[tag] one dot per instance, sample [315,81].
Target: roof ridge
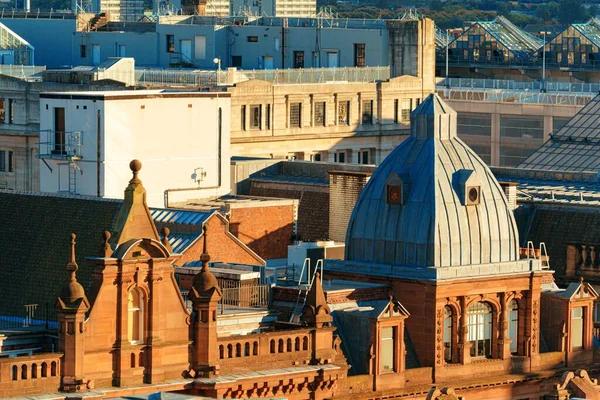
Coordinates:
[59,195]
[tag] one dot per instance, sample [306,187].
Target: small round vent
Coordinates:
[473,194]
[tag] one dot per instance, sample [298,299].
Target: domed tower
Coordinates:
[71,307]
[432,203]
[434,223]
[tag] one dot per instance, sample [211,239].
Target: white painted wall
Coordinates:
[171,136]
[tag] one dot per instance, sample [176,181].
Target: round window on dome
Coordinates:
[473,195]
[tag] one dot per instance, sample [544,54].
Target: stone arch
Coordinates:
[34,371]
[305,343]
[280,348]
[53,368]
[289,345]
[246,349]
[15,373]
[44,370]
[297,344]
[23,372]
[255,349]
[229,350]
[221,351]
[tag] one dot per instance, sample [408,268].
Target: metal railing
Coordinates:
[32,316]
[21,71]
[60,145]
[470,83]
[189,77]
[515,96]
[255,296]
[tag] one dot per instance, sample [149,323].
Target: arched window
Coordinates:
[289,345]
[34,372]
[480,329]
[135,315]
[15,373]
[132,360]
[513,325]
[246,349]
[229,350]
[141,361]
[44,370]
[23,372]
[280,348]
[255,349]
[305,343]
[448,334]
[272,346]
[238,350]
[297,344]
[53,368]
[221,352]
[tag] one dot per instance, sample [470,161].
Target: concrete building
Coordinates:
[87,138]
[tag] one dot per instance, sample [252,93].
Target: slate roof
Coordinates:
[34,244]
[575,147]
[557,225]
[432,228]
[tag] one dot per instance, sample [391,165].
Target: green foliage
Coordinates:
[571,11]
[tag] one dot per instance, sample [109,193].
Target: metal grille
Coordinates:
[320,114]
[295,119]
[343,113]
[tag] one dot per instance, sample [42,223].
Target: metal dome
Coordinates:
[432,202]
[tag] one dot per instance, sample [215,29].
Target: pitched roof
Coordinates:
[34,247]
[575,147]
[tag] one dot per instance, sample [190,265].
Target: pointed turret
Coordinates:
[72,291]
[433,118]
[71,307]
[205,295]
[134,220]
[316,312]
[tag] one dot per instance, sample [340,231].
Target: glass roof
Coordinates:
[590,29]
[575,147]
[511,37]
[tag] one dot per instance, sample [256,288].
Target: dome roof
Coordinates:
[432,202]
[72,292]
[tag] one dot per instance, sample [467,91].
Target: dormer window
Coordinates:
[394,194]
[467,187]
[397,188]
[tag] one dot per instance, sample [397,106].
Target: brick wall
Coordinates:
[313,208]
[266,230]
[220,245]
[344,189]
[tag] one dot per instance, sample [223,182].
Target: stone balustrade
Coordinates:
[29,374]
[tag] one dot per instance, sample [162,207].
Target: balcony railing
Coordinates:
[61,145]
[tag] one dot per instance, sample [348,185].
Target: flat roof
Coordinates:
[130,94]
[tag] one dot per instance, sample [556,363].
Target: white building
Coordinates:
[87,140]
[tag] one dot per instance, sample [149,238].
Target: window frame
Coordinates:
[360,55]
[293,111]
[255,124]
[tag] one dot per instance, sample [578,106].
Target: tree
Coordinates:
[571,11]
[543,12]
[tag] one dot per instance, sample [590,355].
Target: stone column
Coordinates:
[503,340]
[464,346]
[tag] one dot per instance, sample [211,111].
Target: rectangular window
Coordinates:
[577,328]
[367,112]
[83,51]
[406,109]
[396,111]
[252,39]
[2,161]
[359,55]
[243,117]
[298,59]
[363,157]
[122,50]
[2,111]
[268,117]
[11,111]
[170,43]
[236,61]
[344,113]
[59,130]
[255,116]
[387,350]
[11,161]
[295,115]
[316,157]
[339,157]
[320,113]
[200,47]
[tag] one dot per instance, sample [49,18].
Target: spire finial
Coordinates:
[581,280]
[72,266]
[106,250]
[205,257]
[135,166]
[165,238]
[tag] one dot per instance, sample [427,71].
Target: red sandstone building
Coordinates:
[434,300]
